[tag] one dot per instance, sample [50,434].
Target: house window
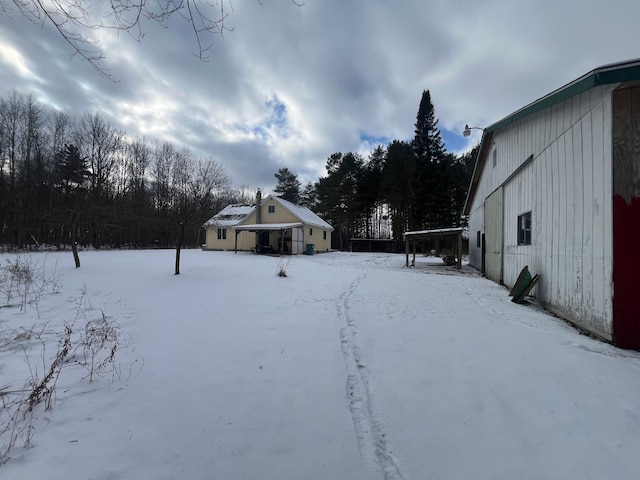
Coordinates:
[222,234]
[310,231]
[524,229]
[271,209]
[324,234]
[478,239]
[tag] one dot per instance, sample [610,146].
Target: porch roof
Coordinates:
[267,226]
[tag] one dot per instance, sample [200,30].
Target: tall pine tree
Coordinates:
[431,174]
[288,187]
[427,143]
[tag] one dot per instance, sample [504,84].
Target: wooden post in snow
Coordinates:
[406,250]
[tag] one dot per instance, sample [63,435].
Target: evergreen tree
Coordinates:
[73,175]
[338,198]
[72,169]
[427,143]
[288,187]
[397,186]
[463,167]
[432,176]
[309,196]
[370,190]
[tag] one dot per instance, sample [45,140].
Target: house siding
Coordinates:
[567,186]
[281,214]
[246,240]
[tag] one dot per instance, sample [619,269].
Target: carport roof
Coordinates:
[441,232]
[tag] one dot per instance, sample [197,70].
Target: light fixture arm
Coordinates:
[467,130]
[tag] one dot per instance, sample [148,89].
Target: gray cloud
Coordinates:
[343,73]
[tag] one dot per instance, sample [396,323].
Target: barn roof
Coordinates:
[605,75]
[621,72]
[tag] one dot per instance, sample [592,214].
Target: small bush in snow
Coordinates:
[92,346]
[99,342]
[26,280]
[16,406]
[282,265]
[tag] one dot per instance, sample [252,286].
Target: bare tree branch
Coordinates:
[74,19]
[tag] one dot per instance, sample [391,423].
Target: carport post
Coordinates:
[413,262]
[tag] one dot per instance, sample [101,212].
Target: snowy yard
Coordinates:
[351,367]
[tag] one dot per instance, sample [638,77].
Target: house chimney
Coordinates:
[258,207]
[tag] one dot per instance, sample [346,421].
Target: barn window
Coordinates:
[478,239]
[271,209]
[495,157]
[222,234]
[524,229]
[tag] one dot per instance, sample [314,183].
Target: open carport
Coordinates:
[451,235]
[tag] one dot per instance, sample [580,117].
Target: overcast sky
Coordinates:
[291,85]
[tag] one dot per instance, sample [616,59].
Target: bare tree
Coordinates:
[100,142]
[12,113]
[136,168]
[195,182]
[76,19]
[164,155]
[22,138]
[60,129]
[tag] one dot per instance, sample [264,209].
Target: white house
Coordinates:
[272,225]
[556,187]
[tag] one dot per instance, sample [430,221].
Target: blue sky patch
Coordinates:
[373,140]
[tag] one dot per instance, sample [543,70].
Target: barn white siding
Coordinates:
[567,186]
[476,225]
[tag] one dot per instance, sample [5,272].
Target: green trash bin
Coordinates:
[310,247]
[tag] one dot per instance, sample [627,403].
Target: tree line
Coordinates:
[66,181]
[81,181]
[400,187]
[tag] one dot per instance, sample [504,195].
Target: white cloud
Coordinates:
[346,73]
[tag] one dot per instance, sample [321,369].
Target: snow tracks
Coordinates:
[370,430]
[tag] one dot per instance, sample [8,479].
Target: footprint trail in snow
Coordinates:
[371,433]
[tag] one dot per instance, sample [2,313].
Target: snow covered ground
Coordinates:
[352,367]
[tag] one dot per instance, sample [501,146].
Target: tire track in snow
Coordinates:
[370,431]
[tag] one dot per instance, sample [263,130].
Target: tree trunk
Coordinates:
[178,246]
[74,239]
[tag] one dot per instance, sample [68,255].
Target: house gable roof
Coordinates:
[235,215]
[229,216]
[621,72]
[303,214]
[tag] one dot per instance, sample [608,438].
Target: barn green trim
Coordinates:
[622,72]
[605,75]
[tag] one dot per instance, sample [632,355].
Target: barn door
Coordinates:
[626,217]
[493,230]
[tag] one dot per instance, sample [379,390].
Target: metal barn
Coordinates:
[556,187]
